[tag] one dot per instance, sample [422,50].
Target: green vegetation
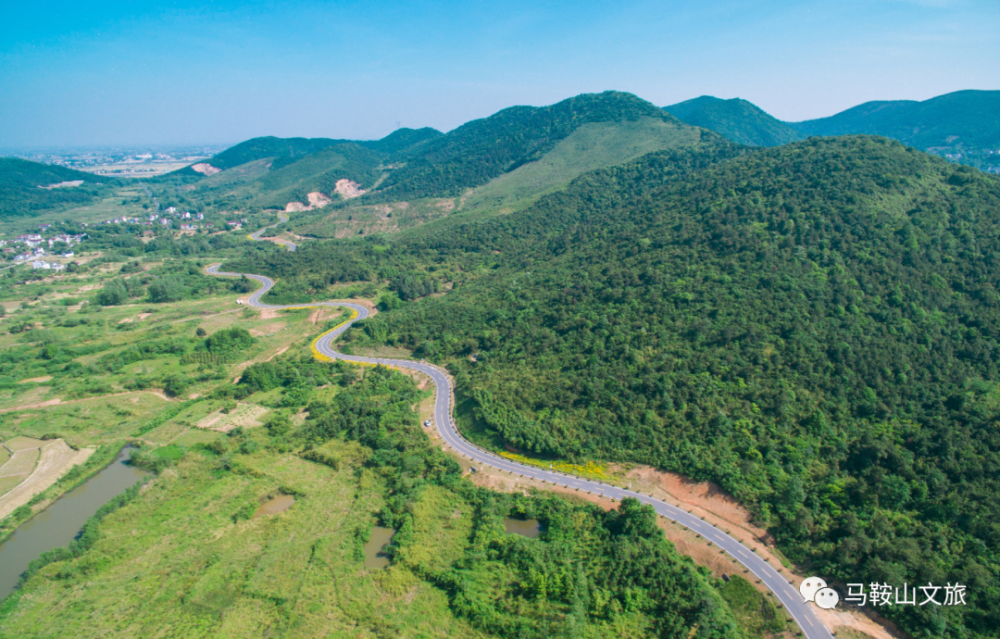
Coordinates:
[736,120]
[757,614]
[962,125]
[810,326]
[217,570]
[968,115]
[481,150]
[22,195]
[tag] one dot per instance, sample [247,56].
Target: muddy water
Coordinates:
[524,527]
[62,521]
[279,504]
[375,555]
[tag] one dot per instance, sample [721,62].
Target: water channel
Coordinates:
[61,522]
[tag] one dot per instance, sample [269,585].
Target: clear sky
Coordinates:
[150,72]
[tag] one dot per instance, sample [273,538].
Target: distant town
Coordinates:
[120,162]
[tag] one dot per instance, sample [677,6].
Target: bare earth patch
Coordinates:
[55,460]
[348,189]
[205,168]
[316,199]
[62,185]
[43,378]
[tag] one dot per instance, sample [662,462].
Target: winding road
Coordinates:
[282,218]
[801,611]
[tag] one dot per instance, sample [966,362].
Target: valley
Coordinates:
[593,307]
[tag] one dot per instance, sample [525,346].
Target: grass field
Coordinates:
[20,463]
[197,573]
[6,483]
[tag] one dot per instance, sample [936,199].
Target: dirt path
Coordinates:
[55,460]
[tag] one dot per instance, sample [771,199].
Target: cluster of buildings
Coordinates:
[165,220]
[34,245]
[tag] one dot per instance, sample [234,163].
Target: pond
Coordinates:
[524,527]
[62,521]
[375,555]
[278,504]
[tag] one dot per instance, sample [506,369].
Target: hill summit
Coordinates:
[736,120]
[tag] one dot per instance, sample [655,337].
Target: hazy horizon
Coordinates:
[186,74]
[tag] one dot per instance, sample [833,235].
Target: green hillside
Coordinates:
[813,326]
[964,123]
[589,147]
[318,171]
[266,147]
[401,139]
[736,120]
[22,195]
[478,151]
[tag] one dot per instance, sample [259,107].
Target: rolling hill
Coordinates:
[736,120]
[412,177]
[970,118]
[28,188]
[813,326]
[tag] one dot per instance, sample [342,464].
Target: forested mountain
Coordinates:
[813,326]
[497,164]
[288,149]
[736,120]
[401,139]
[28,188]
[481,150]
[973,117]
[963,126]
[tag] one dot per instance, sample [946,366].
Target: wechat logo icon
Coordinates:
[815,590]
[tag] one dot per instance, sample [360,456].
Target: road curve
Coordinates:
[801,612]
[282,218]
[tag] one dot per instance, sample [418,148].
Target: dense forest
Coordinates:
[814,327]
[736,120]
[481,150]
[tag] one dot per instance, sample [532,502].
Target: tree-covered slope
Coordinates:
[22,193]
[971,116]
[292,180]
[813,326]
[736,120]
[481,150]
[401,140]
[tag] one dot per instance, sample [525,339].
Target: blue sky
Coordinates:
[148,72]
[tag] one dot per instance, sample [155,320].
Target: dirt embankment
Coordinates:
[316,199]
[55,460]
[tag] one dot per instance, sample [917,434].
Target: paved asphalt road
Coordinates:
[786,593]
[291,246]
